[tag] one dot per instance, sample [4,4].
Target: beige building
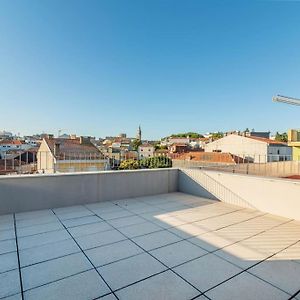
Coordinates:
[255,149]
[76,154]
[145,151]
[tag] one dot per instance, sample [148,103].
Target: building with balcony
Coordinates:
[294,142]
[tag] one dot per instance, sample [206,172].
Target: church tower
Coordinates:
[139,134]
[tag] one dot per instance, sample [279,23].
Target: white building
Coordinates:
[255,149]
[145,151]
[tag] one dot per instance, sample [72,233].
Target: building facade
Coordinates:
[69,155]
[255,149]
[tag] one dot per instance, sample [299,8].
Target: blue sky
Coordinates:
[104,67]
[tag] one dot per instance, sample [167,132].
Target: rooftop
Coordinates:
[167,246]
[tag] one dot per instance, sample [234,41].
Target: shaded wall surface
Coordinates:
[33,192]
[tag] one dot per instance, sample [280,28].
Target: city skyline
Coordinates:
[171,66]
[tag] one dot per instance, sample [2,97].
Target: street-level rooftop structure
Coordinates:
[166,246]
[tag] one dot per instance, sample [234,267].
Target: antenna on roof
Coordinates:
[287,100]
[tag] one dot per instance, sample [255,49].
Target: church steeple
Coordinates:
[139,134]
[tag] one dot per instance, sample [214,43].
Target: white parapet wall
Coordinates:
[271,195]
[33,192]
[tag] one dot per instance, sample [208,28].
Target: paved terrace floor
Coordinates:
[172,246]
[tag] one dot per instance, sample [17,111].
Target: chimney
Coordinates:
[56,149]
[85,140]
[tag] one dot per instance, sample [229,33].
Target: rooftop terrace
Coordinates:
[166,246]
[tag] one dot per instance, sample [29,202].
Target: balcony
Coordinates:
[147,234]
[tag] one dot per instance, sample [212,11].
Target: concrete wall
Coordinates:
[186,184]
[276,196]
[33,192]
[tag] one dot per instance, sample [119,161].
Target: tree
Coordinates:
[217,135]
[156,162]
[193,135]
[281,137]
[129,164]
[135,144]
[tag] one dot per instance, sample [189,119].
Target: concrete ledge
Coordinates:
[34,192]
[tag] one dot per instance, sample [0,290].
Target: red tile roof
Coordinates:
[265,140]
[72,147]
[215,157]
[10,142]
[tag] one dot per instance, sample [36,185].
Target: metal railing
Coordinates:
[26,162]
[261,165]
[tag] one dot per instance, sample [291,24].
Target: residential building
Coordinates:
[178,140]
[145,151]
[294,142]
[178,148]
[76,154]
[13,145]
[252,148]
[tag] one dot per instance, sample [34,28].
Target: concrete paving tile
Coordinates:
[80,221]
[108,297]
[45,252]
[166,221]
[35,221]
[177,253]
[75,214]
[130,270]
[14,297]
[36,229]
[291,253]
[246,287]
[210,241]
[110,253]
[139,229]
[7,225]
[7,246]
[207,271]
[241,255]
[156,239]
[283,274]
[89,229]
[69,209]
[126,221]
[42,239]
[7,234]
[86,285]
[9,283]
[188,230]
[166,286]
[9,261]
[34,214]
[99,239]
[114,215]
[52,270]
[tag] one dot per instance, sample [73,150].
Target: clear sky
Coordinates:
[104,67]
